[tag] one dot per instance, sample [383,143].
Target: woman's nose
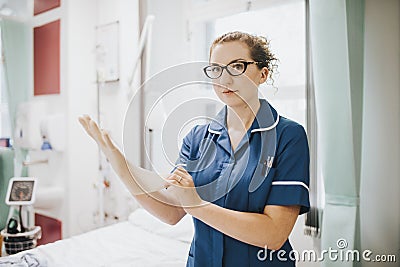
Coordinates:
[225,79]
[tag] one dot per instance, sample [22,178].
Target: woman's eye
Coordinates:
[216,69]
[237,66]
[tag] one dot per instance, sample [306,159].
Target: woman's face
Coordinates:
[236,90]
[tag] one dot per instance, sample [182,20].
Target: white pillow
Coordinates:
[182,231]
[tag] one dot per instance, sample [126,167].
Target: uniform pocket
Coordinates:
[261,173]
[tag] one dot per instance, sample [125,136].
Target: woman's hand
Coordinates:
[102,138]
[181,184]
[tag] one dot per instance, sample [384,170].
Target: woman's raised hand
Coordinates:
[137,180]
[102,138]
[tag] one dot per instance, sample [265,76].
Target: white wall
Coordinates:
[114,98]
[77,96]
[82,96]
[380,174]
[77,168]
[169,46]
[57,172]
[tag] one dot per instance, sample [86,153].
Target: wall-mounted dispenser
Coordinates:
[35,130]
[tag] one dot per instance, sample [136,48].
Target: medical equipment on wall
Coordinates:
[20,233]
[36,130]
[144,48]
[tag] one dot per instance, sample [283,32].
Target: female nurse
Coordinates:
[244,177]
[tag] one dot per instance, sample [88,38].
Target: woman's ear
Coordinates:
[264,75]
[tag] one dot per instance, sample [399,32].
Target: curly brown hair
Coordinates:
[259,48]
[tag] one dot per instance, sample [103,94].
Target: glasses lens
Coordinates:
[236,68]
[213,72]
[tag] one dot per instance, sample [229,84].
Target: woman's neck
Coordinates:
[242,115]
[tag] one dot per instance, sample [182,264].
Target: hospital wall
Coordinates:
[77,95]
[380,172]
[84,176]
[115,98]
[77,168]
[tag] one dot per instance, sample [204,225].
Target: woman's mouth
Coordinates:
[228,92]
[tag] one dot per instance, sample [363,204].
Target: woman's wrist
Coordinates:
[196,209]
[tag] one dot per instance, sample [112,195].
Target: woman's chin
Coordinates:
[231,99]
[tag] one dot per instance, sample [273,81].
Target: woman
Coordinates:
[243,199]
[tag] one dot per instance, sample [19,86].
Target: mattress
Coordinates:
[141,241]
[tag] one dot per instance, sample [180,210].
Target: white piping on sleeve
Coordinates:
[291,183]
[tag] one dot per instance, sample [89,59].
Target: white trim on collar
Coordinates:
[214,132]
[268,128]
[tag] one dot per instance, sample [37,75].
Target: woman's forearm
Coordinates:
[255,229]
[161,203]
[157,203]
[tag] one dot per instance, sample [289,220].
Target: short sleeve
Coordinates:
[184,153]
[290,185]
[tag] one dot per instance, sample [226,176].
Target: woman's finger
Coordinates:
[181,169]
[84,124]
[85,121]
[86,118]
[174,177]
[96,133]
[178,180]
[170,177]
[171,182]
[182,172]
[86,127]
[107,139]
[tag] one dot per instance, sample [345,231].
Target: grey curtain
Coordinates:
[337,41]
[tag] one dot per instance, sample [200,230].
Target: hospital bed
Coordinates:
[142,240]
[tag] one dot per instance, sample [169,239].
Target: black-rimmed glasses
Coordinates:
[236,68]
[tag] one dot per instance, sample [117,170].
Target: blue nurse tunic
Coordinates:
[270,166]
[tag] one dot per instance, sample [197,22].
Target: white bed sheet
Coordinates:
[141,241]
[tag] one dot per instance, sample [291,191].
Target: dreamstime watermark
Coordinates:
[331,254]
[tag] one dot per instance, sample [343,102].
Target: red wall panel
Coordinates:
[51,229]
[47,58]
[41,6]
